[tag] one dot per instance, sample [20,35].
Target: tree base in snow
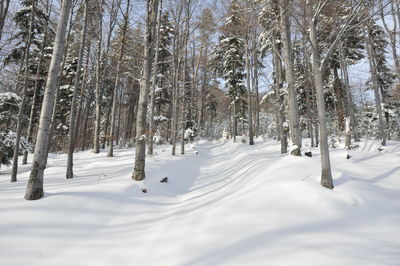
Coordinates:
[296,152]
[326,179]
[138,175]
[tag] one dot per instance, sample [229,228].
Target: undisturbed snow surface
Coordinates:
[232,204]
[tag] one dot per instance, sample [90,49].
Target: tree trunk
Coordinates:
[280,108]
[118,81]
[78,127]
[326,175]
[140,152]
[375,84]
[4,5]
[35,184]
[36,90]
[24,95]
[72,120]
[295,131]
[154,84]
[96,144]
[249,94]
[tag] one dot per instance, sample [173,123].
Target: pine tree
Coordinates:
[229,60]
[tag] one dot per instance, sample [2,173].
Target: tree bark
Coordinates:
[154,84]
[118,81]
[24,95]
[326,174]
[35,184]
[249,94]
[375,84]
[72,120]
[280,108]
[96,144]
[140,152]
[4,5]
[295,131]
[36,88]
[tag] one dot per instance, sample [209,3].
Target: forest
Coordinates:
[251,112]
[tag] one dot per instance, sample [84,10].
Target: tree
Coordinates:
[229,58]
[284,27]
[24,93]
[34,190]
[4,5]
[154,82]
[140,151]
[72,114]
[118,80]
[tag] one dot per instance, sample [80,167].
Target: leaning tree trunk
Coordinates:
[72,116]
[36,90]
[295,131]
[326,174]
[35,184]
[140,152]
[24,95]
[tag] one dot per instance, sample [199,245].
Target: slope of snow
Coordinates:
[230,204]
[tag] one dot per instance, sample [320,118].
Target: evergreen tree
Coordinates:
[229,59]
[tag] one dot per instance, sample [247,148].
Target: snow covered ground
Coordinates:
[230,204]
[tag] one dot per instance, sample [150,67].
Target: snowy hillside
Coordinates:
[224,204]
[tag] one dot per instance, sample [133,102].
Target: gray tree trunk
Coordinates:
[392,33]
[4,5]
[24,95]
[295,131]
[117,82]
[96,144]
[35,184]
[326,175]
[375,84]
[72,120]
[36,88]
[277,64]
[154,84]
[140,152]
[249,94]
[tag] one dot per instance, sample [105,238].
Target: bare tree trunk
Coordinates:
[36,88]
[96,143]
[295,130]
[184,88]
[154,84]
[24,95]
[176,67]
[392,35]
[351,128]
[72,120]
[375,84]
[118,81]
[4,5]
[78,127]
[35,184]
[326,175]
[249,94]
[255,82]
[277,64]
[140,152]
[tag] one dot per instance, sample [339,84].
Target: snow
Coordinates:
[6,96]
[224,204]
